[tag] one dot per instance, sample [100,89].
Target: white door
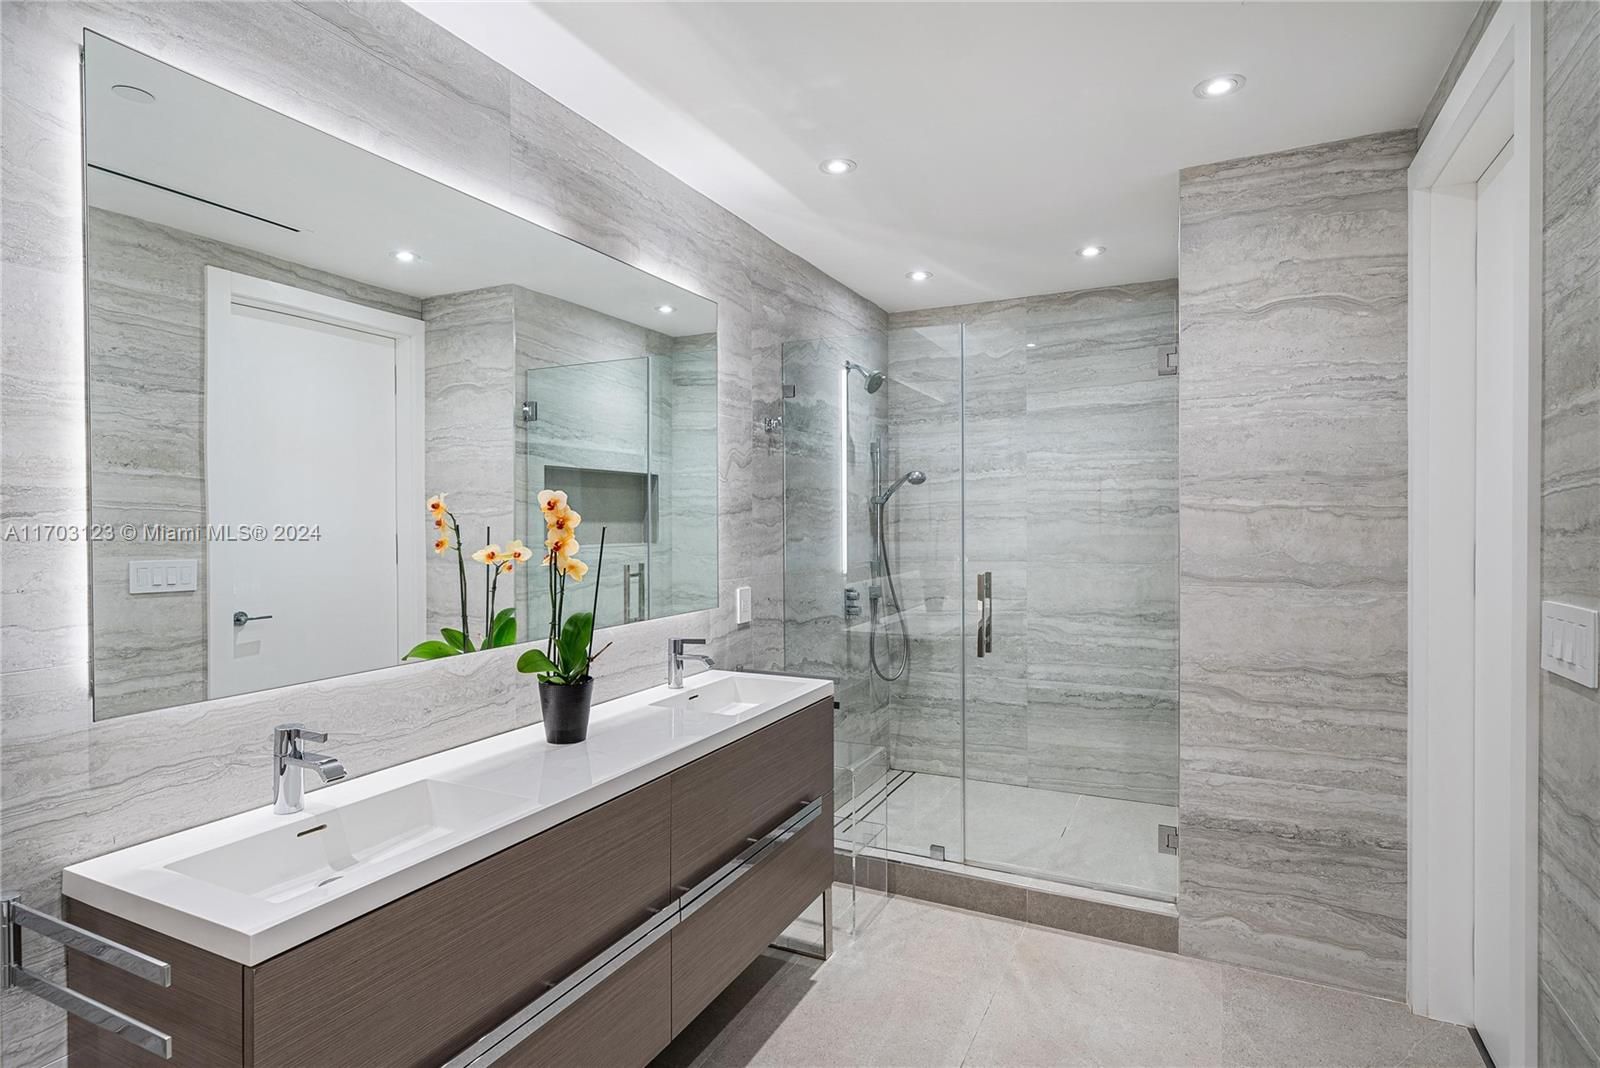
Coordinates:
[301,470]
[1494,680]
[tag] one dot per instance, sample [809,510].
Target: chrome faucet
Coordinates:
[676,656]
[289,764]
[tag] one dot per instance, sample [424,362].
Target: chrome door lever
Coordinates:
[241,618]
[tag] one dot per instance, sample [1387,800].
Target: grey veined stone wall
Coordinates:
[1569,720]
[1292,504]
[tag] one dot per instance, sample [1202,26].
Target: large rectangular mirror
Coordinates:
[293,344]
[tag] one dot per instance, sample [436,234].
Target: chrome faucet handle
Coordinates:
[308,735]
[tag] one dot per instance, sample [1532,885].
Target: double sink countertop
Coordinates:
[251,886]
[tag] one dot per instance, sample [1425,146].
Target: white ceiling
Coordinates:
[339,209]
[994,139]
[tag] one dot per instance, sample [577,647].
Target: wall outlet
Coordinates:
[1569,641]
[163,576]
[741,605]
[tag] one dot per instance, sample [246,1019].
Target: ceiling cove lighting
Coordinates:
[1219,85]
[405,255]
[1090,252]
[837,165]
[919,276]
[665,309]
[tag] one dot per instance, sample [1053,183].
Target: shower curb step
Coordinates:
[1148,924]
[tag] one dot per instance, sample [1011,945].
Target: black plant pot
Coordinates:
[566,710]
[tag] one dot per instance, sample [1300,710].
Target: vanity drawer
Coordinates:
[626,1020]
[420,979]
[711,946]
[723,801]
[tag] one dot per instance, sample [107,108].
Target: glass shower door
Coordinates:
[1071,552]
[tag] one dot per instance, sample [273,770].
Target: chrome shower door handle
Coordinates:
[985,614]
[988,615]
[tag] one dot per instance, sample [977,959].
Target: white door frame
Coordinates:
[226,289]
[1473,125]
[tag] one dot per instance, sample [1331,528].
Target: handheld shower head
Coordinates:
[875,379]
[916,478]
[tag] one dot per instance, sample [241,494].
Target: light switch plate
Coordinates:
[163,576]
[741,605]
[1569,641]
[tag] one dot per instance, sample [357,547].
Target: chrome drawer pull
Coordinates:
[14,916]
[549,1005]
[746,862]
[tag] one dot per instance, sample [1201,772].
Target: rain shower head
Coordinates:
[875,379]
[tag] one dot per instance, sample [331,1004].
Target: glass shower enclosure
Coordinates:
[981,547]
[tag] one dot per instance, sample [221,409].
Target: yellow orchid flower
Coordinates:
[574,569]
[489,554]
[562,543]
[565,520]
[552,502]
[519,552]
[436,508]
[438,524]
[440,545]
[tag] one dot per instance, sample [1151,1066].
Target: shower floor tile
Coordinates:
[1103,842]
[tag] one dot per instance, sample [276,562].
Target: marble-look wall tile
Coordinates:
[1292,498]
[470,392]
[1569,719]
[146,324]
[386,79]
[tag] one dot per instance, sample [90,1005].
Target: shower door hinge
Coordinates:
[1167,839]
[1167,361]
[788,392]
[530,411]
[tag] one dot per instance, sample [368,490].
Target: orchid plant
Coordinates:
[566,656]
[499,628]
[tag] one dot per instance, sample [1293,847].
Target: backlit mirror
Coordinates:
[293,344]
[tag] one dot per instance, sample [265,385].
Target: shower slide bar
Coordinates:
[14,916]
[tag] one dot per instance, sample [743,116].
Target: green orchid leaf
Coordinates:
[573,645]
[504,632]
[433,649]
[535,662]
[456,640]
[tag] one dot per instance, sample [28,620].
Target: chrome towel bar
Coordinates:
[547,1006]
[14,916]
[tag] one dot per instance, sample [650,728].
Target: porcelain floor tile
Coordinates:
[928,985]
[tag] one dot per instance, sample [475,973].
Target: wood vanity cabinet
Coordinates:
[419,979]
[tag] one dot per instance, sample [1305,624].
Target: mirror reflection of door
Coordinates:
[306,482]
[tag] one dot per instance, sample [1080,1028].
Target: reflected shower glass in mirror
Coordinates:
[293,344]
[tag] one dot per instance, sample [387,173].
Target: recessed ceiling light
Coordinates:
[837,165]
[1219,85]
[918,276]
[405,255]
[134,93]
[1032,345]
[1089,252]
[665,309]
